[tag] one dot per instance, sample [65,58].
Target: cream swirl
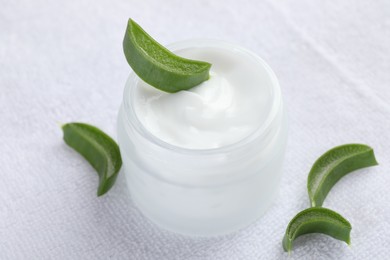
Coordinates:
[220,111]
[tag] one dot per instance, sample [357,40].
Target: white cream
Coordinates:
[223,110]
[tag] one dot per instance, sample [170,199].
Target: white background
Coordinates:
[62,61]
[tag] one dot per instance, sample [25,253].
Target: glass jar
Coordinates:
[204,191]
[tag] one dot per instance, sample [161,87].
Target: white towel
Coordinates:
[62,61]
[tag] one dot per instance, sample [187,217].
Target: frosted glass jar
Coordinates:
[204,191]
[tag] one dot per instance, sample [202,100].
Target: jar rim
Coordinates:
[261,130]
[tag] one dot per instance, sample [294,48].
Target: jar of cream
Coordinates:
[206,161]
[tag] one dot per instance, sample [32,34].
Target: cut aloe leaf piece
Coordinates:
[317,220]
[98,149]
[333,165]
[158,66]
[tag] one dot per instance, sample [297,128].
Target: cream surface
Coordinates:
[223,110]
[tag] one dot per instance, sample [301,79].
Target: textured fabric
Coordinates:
[62,61]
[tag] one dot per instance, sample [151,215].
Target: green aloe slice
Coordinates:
[317,220]
[159,67]
[333,165]
[98,149]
